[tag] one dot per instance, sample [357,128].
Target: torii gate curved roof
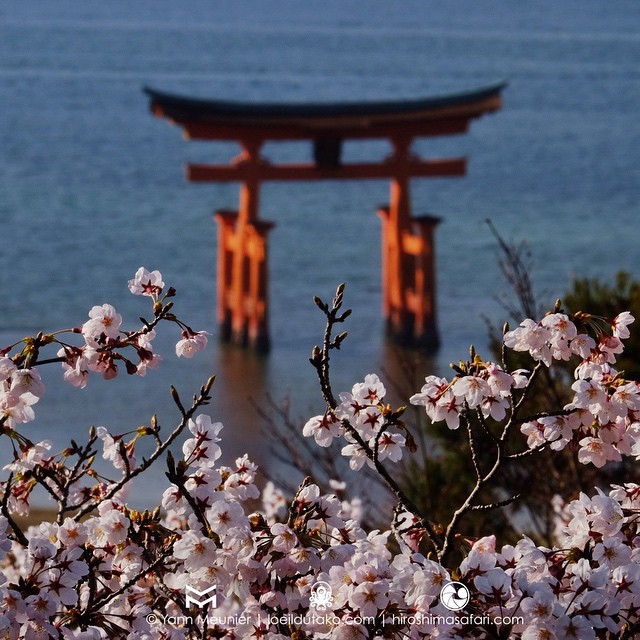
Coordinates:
[222,119]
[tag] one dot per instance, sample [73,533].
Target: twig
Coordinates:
[176,477]
[320,360]
[517,275]
[200,400]
[84,454]
[495,505]
[96,605]
[513,419]
[472,444]
[4,509]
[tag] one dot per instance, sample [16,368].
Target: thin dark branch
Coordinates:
[96,605]
[320,361]
[4,509]
[201,399]
[517,275]
[75,474]
[495,505]
[513,420]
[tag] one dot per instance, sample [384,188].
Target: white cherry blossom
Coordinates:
[103,319]
[146,283]
[191,343]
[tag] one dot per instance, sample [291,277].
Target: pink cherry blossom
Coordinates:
[226,514]
[284,539]
[597,452]
[28,384]
[191,343]
[390,446]
[15,410]
[7,368]
[494,583]
[472,389]
[369,597]
[202,449]
[119,453]
[620,325]
[146,283]
[323,428]
[195,550]
[582,345]
[356,454]
[103,319]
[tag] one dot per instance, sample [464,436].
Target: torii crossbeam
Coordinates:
[408,264]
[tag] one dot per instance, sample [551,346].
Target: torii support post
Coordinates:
[242,280]
[408,281]
[408,262]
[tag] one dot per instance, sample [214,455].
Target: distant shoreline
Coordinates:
[35,517]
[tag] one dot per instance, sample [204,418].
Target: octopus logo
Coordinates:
[454,596]
[321,597]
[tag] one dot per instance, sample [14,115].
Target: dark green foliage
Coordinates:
[607,300]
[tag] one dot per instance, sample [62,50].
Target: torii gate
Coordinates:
[408,264]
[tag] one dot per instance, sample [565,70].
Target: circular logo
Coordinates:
[454,596]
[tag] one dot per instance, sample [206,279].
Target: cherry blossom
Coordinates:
[191,343]
[119,453]
[471,389]
[75,365]
[195,550]
[146,283]
[202,449]
[27,384]
[390,446]
[14,410]
[620,325]
[597,452]
[103,319]
[439,401]
[324,428]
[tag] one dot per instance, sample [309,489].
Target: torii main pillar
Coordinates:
[408,251]
[242,281]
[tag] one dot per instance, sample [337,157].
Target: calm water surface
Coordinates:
[92,186]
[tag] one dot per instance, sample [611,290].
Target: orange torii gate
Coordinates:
[408,265]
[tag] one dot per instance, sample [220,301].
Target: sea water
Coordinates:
[92,186]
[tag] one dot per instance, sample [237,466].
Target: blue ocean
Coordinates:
[92,186]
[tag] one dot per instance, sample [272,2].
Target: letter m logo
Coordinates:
[191,600]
